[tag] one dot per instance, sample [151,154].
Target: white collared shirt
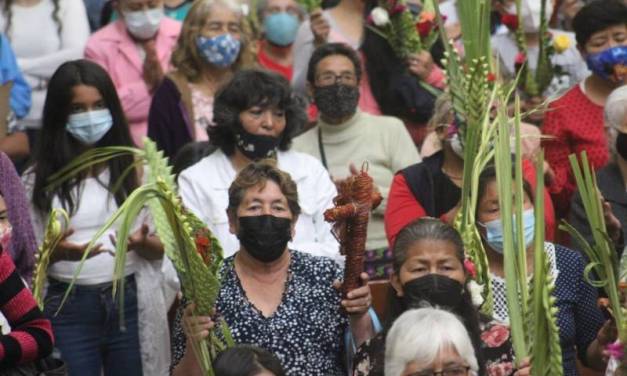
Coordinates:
[204,190]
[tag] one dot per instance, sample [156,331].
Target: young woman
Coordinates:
[82,111]
[211,47]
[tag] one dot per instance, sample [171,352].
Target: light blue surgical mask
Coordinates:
[221,50]
[494,231]
[280,28]
[90,126]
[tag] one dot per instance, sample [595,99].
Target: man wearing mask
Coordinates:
[574,122]
[135,50]
[345,139]
[280,20]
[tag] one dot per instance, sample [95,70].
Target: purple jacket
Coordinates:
[23,245]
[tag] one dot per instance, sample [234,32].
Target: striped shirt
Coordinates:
[31,335]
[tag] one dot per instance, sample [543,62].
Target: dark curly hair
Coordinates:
[253,87]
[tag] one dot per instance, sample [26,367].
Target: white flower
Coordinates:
[380,16]
[476,293]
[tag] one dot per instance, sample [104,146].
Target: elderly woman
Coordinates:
[430,342]
[612,179]
[211,46]
[273,297]
[429,269]
[257,116]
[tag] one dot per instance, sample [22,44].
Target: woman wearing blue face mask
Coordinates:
[211,47]
[582,332]
[280,19]
[574,122]
[82,111]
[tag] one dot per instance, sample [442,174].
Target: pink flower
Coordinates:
[471,268]
[615,350]
[520,58]
[495,336]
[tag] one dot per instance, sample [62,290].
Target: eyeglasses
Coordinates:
[455,371]
[330,78]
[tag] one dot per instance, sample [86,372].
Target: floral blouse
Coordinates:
[306,330]
[495,343]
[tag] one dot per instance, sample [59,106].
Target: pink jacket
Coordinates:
[113,49]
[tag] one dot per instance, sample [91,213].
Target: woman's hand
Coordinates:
[319,27]
[146,245]
[524,369]
[359,300]
[69,251]
[420,64]
[196,327]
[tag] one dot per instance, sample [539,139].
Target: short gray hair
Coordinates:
[614,113]
[420,334]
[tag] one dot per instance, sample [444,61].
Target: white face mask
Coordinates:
[143,24]
[531,14]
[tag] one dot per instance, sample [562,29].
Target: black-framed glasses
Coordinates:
[330,78]
[453,371]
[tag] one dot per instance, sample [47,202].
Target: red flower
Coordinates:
[510,20]
[202,241]
[397,9]
[520,59]
[491,77]
[424,28]
[495,336]
[470,268]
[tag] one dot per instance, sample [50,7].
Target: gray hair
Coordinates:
[614,113]
[419,335]
[263,4]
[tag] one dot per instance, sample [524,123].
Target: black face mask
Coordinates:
[336,101]
[435,289]
[265,237]
[621,145]
[256,147]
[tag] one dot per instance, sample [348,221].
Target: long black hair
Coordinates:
[433,229]
[245,360]
[56,147]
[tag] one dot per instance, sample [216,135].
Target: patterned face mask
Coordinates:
[607,63]
[221,50]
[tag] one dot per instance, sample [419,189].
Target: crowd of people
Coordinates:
[264,108]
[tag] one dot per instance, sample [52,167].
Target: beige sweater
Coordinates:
[381,141]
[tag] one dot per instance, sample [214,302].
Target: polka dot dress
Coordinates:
[578,317]
[305,332]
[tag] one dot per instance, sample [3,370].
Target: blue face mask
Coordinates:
[603,63]
[494,231]
[90,126]
[280,28]
[221,51]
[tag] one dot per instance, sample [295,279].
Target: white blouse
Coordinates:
[204,189]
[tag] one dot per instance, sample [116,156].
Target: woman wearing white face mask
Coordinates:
[582,333]
[135,50]
[212,46]
[43,34]
[82,111]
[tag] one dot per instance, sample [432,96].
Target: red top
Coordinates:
[575,124]
[266,62]
[31,334]
[403,208]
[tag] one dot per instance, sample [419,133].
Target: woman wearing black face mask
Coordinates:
[429,270]
[256,116]
[281,300]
